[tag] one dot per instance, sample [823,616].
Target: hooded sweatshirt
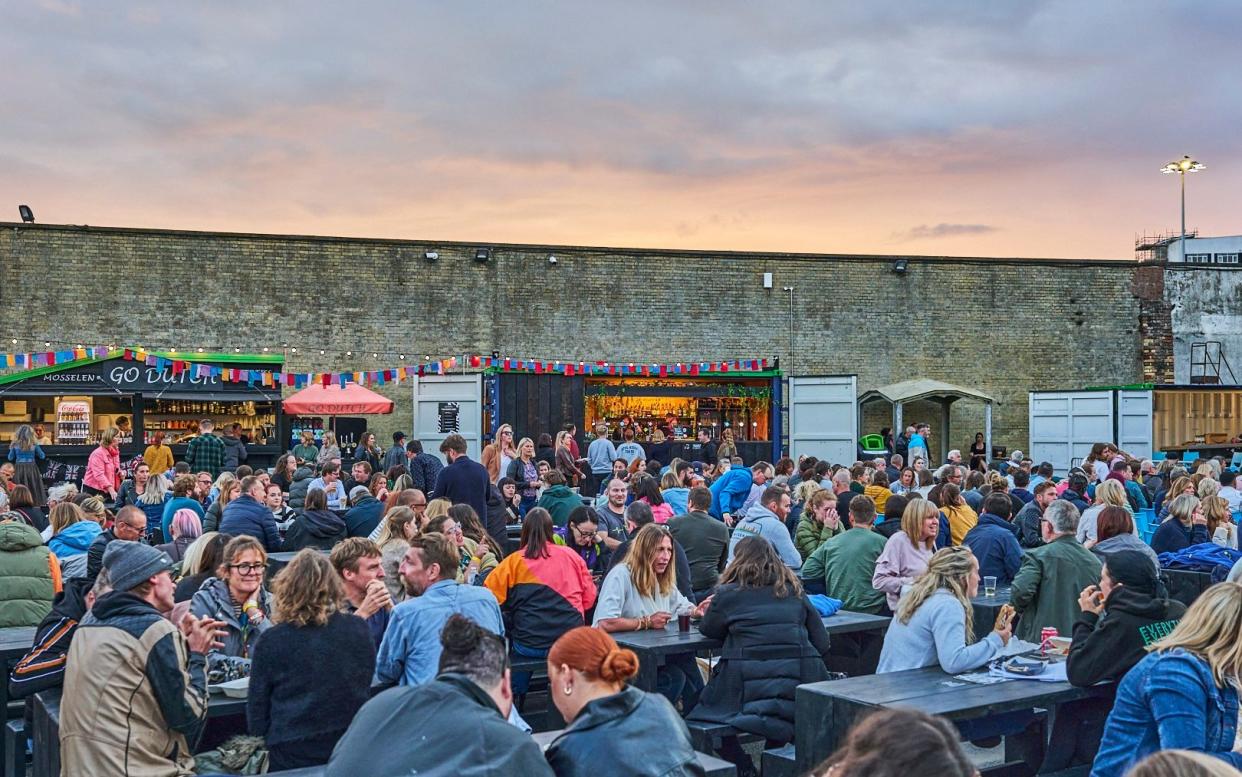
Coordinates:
[315,529]
[762,522]
[1108,645]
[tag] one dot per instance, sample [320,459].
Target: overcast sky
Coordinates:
[964,128]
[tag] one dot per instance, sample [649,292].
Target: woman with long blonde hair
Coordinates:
[565,460]
[1184,694]
[1220,525]
[26,454]
[907,553]
[329,451]
[934,623]
[497,456]
[641,593]
[299,709]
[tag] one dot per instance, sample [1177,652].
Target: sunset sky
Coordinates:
[960,128]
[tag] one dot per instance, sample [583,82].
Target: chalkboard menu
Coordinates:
[448,415]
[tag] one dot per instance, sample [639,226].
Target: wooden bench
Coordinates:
[779,762]
[15,748]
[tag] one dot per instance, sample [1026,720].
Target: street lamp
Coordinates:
[1181,167]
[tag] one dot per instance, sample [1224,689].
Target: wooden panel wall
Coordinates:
[542,404]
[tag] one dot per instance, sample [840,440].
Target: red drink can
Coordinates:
[1045,634]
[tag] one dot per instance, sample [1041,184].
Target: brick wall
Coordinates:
[1005,326]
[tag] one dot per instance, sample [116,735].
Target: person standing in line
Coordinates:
[206,451]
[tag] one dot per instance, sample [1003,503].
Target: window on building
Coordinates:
[1226,258]
[1199,258]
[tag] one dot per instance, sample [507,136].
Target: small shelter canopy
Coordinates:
[353,399]
[926,389]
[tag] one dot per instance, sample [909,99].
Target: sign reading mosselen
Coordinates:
[127,377]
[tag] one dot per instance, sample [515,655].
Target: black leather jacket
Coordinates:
[606,739]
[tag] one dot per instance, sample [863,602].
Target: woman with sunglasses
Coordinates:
[236,596]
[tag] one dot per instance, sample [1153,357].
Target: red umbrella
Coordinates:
[334,400]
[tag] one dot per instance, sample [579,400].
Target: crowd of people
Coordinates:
[406,588]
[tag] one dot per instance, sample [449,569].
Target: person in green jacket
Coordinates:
[1045,592]
[29,574]
[846,562]
[558,499]
[819,522]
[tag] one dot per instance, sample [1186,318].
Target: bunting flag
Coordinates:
[277,378]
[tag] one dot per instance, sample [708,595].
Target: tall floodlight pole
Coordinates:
[1181,167]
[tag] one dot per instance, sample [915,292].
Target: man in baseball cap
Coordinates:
[135,685]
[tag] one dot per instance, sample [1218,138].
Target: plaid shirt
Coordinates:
[206,453]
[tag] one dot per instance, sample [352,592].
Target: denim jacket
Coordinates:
[1168,700]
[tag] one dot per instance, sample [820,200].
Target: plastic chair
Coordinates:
[1189,456]
[1236,461]
[1146,517]
[1159,456]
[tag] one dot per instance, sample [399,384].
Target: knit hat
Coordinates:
[130,564]
[1134,570]
[358,491]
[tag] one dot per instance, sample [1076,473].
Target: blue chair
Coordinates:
[1145,517]
[1159,456]
[1189,456]
[1236,461]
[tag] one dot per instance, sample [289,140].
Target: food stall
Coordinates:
[748,403]
[74,402]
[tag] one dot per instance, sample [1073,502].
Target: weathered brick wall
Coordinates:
[1005,326]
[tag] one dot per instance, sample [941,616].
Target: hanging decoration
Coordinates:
[380,377]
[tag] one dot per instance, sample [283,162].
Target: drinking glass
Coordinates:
[989,585]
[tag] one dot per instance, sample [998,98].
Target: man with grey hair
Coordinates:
[1046,589]
[841,487]
[953,457]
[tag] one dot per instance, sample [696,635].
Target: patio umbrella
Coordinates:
[334,400]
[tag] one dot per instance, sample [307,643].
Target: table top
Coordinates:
[933,691]
[670,640]
[14,642]
[1000,598]
[218,705]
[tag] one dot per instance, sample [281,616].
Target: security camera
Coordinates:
[551,260]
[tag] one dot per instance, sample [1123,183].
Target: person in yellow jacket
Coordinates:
[960,515]
[158,456]
[878,490]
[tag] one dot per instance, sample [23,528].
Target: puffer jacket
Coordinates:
[213,600]
[811,534]
[29,576]
[605,730]
[246,515]
[771,646]
[302,476]
[43,666]
[315,529]
[135,696]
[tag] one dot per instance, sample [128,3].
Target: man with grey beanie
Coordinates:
[135,685]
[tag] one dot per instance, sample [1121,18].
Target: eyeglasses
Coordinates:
[248,569]
[452,530]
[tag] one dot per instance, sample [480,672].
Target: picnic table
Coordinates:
[278,561]
[825,711]
[14,643]
[46,725]
[1185,585]
[653,646]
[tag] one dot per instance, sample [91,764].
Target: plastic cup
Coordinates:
[989,586]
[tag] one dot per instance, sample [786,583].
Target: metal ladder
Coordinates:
[1207,357]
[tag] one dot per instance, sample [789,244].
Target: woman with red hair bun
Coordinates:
[587,674]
